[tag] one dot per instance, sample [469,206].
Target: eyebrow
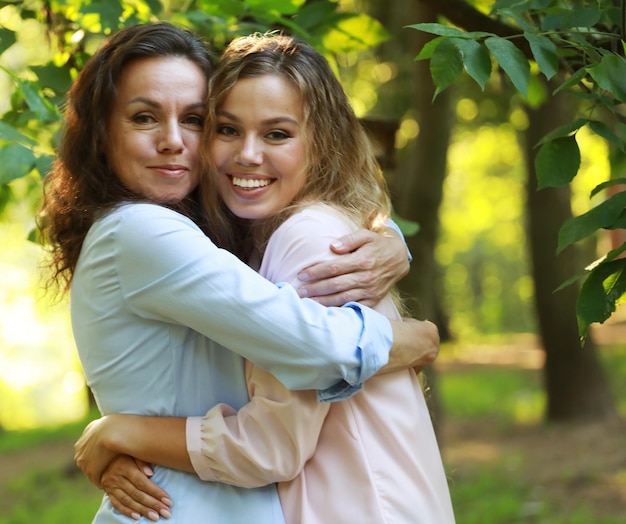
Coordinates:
[152,103]
[269,121]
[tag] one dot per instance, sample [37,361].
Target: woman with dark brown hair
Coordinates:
[154,302]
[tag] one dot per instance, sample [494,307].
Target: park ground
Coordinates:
[548,469]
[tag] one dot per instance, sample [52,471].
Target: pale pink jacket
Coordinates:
[371,459]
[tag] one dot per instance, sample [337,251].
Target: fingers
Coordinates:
[346,264]
[336,291]
[353,241]
[132,493]
[130,507]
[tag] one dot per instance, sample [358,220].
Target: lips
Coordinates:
[172,170]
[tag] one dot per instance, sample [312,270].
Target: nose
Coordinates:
[171,138]
[251,151]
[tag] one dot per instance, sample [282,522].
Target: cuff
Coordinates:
[193,435]
[373,348]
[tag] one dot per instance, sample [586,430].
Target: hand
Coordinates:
[127,482]
[371,264]
[415,344]
[90,453]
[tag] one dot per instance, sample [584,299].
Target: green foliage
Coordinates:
[581,46]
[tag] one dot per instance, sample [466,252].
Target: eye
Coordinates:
[143,118]
[226,130]
[196,121]
[278,135]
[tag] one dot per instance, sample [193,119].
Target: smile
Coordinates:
[250,183]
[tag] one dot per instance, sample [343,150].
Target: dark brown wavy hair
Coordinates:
[81,184]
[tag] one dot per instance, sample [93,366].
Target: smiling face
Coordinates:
[258,146]
[155,127]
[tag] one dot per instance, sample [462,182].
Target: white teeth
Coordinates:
[250,182]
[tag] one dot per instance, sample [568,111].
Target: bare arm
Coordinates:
[371,263]
[112,435]
[415,344]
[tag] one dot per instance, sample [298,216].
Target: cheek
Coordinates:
[218,153]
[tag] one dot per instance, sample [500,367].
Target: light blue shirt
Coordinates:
[154,305]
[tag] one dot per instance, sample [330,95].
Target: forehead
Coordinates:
[171,74]
[265,93]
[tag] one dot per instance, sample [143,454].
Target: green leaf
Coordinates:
[223,8]
[427,51]
[610,74]
[284,7]
[557,162]
[109,11]
[564,130]
[512,61]
[44,164]
[601,129]
[619,223]
[355,33]
[408,227]
[7,39]
[56,78]
[544,52]
[16,161]
[603,290]
[11,134]
[524,4]
[602,216]
[581,16]
[36,101]
[573,80]
[314,14]
[475,60]
[446,65]
[446,30]
[608,183]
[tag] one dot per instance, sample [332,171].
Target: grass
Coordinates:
[52,497]
[493,485]
[45,495]
[487,406]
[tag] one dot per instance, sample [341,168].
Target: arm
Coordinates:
[416,344]
[304,344]
[371,264]
[268,440]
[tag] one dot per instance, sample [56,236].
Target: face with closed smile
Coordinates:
[155,127]
[258,146]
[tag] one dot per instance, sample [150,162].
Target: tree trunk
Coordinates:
[416,183]
[575,381]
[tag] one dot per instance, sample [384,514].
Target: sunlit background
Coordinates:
[482,252]
[487,286]
[41,382]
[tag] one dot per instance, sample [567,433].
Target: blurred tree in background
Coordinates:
[460,150]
